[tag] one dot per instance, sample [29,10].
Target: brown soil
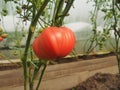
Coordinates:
[100,82]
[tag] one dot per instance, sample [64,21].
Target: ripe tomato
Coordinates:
[54,42]
[1,39]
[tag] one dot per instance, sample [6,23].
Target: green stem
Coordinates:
[36,70]
[115,18]
[31,31]
[40,11]
[60,7]
[55,12]
[57,19]
[30,71]
[41,75]
[59,12]
[24,59]
[65,12]
[94,22]
[30,86]
[116,33]
[116,3]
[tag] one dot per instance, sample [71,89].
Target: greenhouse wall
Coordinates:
[78,20]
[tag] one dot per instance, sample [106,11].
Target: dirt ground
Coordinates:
[100,81]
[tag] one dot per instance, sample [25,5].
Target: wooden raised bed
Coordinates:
[61,76]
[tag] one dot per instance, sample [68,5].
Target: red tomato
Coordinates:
[1,38]
[54,42]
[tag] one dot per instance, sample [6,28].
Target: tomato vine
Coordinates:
[111,23]
[40,13]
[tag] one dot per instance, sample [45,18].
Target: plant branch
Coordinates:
[94,22]
[115,18]
[55,12]
[36,70]
[40,11]
[41,75]
[31,31]
[67,8]
[116,33]
[117,6]
[57,19]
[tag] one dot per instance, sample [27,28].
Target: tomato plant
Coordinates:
[54,42]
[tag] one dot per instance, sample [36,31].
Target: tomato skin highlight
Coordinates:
[54,42]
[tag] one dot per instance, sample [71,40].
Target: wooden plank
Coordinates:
[63,72]
[65,82]
[12,88]
[80,63]
[57,73]
[73,79]
[112,70]
[55,84]
[61,76]
[65,65]
[11,77]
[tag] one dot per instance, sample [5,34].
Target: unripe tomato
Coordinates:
[54,42]
[4,35]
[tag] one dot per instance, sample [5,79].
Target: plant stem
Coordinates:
[31,31]
[36,70]
[94,22]
[57,19]
[60,7]
[116,33]
[115,19]
[41,75]
[40,11]
[55,12]
[30,86]
[30,71]
[65,12]
[59,12]
[24,59]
